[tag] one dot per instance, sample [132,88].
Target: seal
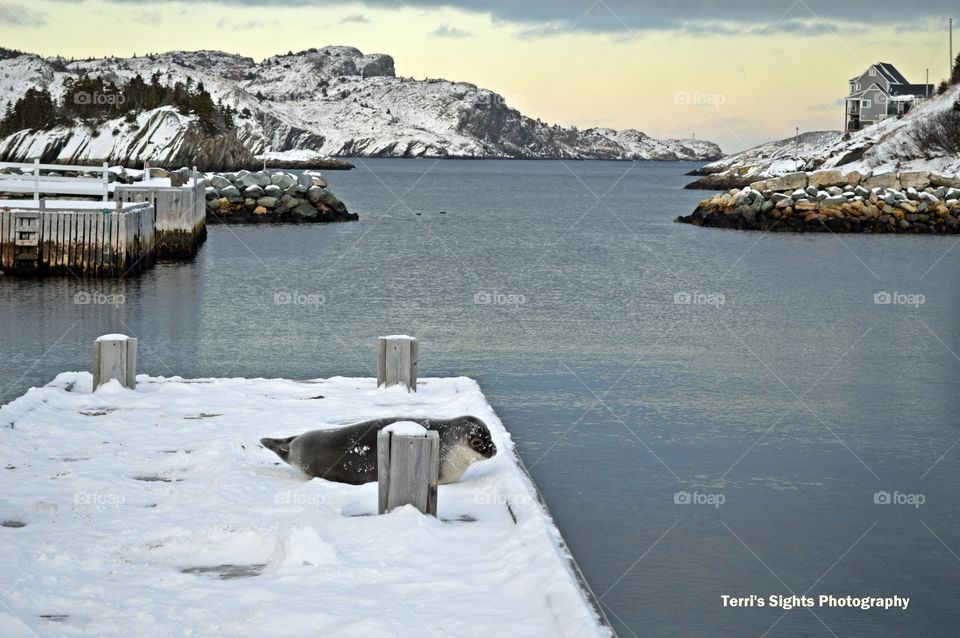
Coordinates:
[349,454]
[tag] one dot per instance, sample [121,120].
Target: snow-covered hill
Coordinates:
[884,147]
[336,101]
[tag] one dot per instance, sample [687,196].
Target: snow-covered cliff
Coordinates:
[888,146]
[336,101]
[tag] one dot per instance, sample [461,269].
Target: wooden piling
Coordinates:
[408,470]
[397,361]
[115,357]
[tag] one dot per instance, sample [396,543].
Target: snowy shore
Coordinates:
[157,508]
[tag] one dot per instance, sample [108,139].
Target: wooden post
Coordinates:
[106,181]
[397,361]
[408,470]
[115,357]
[36,180]
[176,179]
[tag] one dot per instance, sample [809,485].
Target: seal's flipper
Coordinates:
[280,447]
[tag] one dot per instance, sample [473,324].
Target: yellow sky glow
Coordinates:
[735,90]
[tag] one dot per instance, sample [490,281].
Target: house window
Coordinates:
[866,104]
[873,73]
[856,87]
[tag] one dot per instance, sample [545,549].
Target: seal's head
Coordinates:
[478,437]
[463,442]
[280,447]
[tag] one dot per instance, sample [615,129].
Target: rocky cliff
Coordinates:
[334,101]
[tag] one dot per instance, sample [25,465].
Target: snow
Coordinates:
[113,337]
[399,337]
[406,428]
[323,103]
[883,147]
[157,508]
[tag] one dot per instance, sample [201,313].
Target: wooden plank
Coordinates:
[46,241]
[83,248]
[397,362]
[115,359]
[408,470]
[6,240]
[58,233]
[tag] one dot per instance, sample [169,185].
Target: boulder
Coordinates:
[282,180]
[759,186]
[945,180]
[915,179]
[232,194]
[806,205]
[274,190]
[260,179]
[305,180]
[211,193]
[259,210]
[219,182]
[254,192]
[305,210]
[854,178]
[788,182]
[824,179]
[883,180]
[268,202]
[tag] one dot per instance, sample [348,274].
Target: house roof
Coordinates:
[890,72]
[912,89]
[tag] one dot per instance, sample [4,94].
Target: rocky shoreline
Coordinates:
[265,197]
[915,202]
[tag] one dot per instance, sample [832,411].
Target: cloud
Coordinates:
[356,18]
[19,16]
[450,32]
[619,16]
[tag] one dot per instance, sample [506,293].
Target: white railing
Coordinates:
[33,182]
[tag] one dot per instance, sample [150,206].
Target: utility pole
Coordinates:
[950,66]
[798,147]
[926,87]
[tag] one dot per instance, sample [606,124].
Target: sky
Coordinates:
[737,72]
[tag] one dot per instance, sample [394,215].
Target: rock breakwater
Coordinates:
[915,202]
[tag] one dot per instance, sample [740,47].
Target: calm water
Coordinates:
[782,399]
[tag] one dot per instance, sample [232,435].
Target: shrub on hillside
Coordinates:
[939,133]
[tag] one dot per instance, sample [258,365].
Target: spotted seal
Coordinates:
[349,454]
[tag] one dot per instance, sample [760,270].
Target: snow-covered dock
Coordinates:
[119,235]
[155,511]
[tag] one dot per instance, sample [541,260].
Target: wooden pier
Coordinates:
[117,230]
[76,239]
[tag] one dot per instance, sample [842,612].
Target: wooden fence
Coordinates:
[82,241]
[34,183]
